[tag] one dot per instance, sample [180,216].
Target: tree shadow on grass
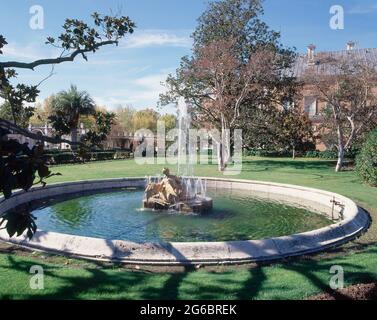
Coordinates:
[170,289]
[72,286]
[320,284]
[98,283]
[312,268]
[253,285]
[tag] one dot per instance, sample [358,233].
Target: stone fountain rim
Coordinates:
[355,222]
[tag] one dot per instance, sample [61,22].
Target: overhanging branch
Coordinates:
[4,124]
[70,58]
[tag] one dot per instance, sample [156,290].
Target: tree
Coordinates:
[42,111]
[261,129]
[284,128]
[101,129]
[237,65]
[347,85]
[170,121]
[145,119]
[20,166]
[295,130]
[67,108]
[234,19]
[22,117]
[124,118]
[89,121]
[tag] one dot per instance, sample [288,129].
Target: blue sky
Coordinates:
[131,73]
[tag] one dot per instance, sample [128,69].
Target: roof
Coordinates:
[303,63]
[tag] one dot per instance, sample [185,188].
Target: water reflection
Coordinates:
[73,213]
[117,215]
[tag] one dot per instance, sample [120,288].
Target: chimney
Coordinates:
[311,51]
[350,45]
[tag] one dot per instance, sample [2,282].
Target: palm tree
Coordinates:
[68,106]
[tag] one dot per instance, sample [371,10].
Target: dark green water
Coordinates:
[118,216]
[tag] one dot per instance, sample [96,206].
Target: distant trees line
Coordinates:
[66,110]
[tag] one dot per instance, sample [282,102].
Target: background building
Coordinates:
[310,102]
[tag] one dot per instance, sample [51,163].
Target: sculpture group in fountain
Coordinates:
[186,194]
[182,194]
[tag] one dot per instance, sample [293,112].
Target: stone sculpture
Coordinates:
[171,193]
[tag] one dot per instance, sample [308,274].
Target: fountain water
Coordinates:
[186,152]
[185,193]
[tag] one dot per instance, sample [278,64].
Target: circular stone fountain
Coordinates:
[346,221]
[180,194]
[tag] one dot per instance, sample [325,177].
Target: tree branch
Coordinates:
[16,129]
[71,57]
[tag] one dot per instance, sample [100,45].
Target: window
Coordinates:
[310,105]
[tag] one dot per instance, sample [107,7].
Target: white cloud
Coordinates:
[153,38]
[151,81]
[360,9]
[149,88]
[104,62]
[26,52]
[141,92]
[110,103]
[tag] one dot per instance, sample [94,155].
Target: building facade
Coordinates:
[48,131]
[309,100]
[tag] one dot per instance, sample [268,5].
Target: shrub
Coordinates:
[104,155]
[328,154]
[62,158]
[366,163]
[66,156]
[122,155]
[57,151]
[267,153]
[312,154]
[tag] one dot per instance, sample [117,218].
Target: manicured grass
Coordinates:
[294,280]
[71,279]
[306,172]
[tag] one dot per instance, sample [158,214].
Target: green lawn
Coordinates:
[297,279]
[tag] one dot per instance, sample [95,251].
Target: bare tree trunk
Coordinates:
[339,165]
[223,157]
[223,145]
[220,157]
[293,152]
[225,153]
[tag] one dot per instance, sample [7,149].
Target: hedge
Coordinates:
[329,154]
[366,162]
[62,158]
[65,157]
[267,153]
